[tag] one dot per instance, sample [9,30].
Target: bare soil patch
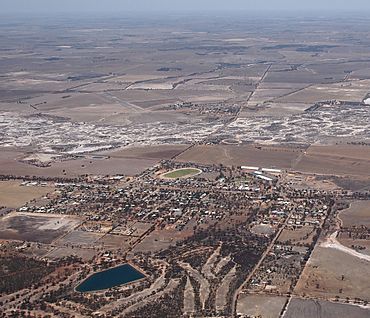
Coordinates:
[301,235]
[13,195]
[35,227]
[336,160]
[248,155]
[307,308]
[357,214]
[112,241]
[75,168]
[331,272]
[85,253]
[160,239]
[80,239]
[263,305]
[148,152]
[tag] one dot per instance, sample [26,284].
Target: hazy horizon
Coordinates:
[142,6]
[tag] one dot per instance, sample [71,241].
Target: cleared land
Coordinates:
[80,239]
[147,152]
[331,272]
[74,168]
[248,155]
[35,227]
[303,308]
[337,160]
[300,235]
[334,160]
[116,241]
[160,240]
[85,253]
[13,195]
[357,214]
[260,305]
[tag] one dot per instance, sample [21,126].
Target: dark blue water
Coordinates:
[110,278]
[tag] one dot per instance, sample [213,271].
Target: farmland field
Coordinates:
[226,157]
[13,195]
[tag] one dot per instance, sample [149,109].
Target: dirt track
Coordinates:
[332,242]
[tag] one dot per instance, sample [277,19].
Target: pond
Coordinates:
[112,277]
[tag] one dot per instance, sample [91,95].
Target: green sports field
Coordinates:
[181,173]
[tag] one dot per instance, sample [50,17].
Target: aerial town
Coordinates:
[184,169]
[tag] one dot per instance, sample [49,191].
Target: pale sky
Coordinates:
[58,6]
